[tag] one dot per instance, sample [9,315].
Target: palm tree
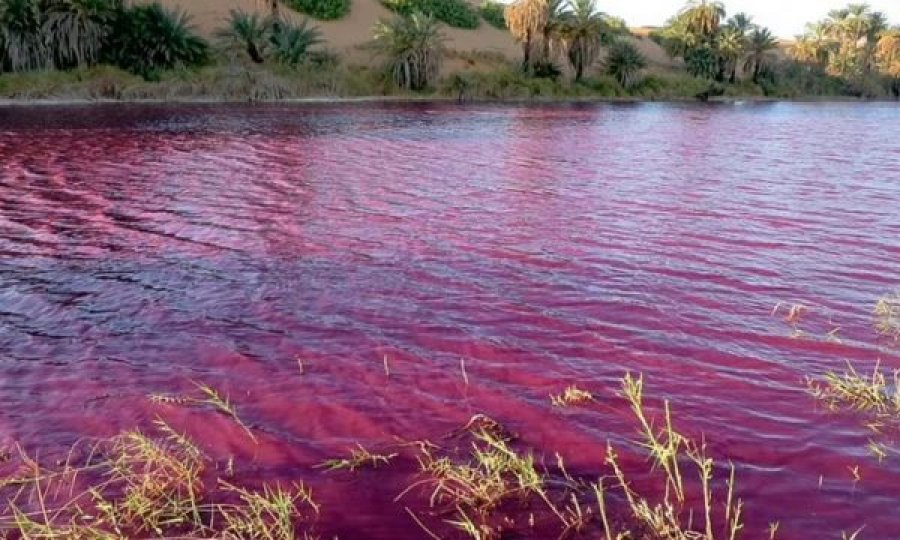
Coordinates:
[887,53]
[741,22]
[624,63]
[583,34]
[887,57]
[22,43]
[703,17]
[762,43]
[526,20]
[414,46]
[731,44]
[78,29]
[248,32]
[291,42]
[554,24]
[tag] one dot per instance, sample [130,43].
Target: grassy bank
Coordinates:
[253,83]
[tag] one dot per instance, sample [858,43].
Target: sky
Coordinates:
[785,18]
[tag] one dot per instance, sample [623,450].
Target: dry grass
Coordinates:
[359,458]
[136,485]
[572,396]
[873,393]
[210,398]
[887,316]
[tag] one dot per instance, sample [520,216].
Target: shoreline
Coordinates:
[326,100]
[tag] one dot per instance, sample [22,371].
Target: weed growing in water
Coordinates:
[850,389]
[212,398]
[137,485]
[359,458]
[887,316]
[572,396]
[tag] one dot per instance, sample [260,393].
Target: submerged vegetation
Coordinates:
[481,481]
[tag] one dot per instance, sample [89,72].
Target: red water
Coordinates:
[142,248]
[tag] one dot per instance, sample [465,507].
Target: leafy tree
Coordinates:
[246,32]
[414,46]
[21,36]
[583,32]
[760,48]
[703,17]
[291,42]
[526,20]
[625,63]
[78,29]
[148,38]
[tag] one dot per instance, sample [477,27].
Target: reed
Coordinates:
[210,397]
[137,485]
[868,393]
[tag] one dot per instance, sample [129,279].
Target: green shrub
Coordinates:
[493,12]
[324,10]
[605,86]
[149,38]
[291,42]
[669,86]
[455,13]
[625,63]
[22,43]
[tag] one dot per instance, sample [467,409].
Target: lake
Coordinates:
[370,273]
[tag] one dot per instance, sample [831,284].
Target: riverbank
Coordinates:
[239,83]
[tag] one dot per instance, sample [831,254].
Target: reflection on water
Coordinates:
[142,248]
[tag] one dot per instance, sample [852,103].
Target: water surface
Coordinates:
[142,248]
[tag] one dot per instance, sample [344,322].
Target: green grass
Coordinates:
[323,10]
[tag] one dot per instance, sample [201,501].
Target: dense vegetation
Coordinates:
[455,13]
[144,38]
[492,12]
[325,10]
[570,49]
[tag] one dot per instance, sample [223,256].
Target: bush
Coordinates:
[147,39]
[493,12]
[455,13]
[324,10]
[669,86]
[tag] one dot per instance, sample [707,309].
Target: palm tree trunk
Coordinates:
[526,52]
[757,65]
[733,78]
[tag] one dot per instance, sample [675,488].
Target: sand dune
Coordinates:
[349,35]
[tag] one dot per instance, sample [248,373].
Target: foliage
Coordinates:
[455,13]
[702,17]
[291,43]
[759,49]
[848,43]
[148,38]
[250,33]
[492,12]
[21,36]
[625,63]
[78,29]
[702,62]
[324,10]
[414,46]
[261,38]
[526,20]
[582,31]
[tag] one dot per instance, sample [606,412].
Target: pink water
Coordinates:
[142,248]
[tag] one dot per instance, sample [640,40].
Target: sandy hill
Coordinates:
[348,35]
